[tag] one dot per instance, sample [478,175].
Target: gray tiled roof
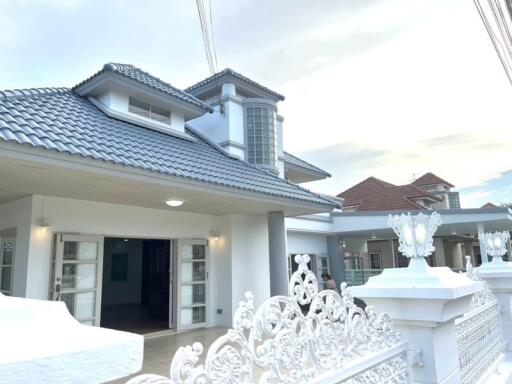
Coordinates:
[59,119]
[294,160]
[147,79]
[230,72]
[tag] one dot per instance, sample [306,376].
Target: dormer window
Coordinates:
[149,111]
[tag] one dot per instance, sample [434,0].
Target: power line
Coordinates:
[209,46]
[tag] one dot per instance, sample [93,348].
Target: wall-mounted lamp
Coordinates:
[44,225]
[43,222]
[214,235]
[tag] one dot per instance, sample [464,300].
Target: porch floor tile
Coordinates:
[159,351]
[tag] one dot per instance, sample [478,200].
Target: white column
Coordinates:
[277,254]
[423,306]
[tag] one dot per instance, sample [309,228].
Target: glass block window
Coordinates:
[260,123]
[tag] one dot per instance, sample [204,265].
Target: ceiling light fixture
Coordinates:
[174,203]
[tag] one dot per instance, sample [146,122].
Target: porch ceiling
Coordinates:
[23,177]
[461,223]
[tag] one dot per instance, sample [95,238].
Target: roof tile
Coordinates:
[64,121]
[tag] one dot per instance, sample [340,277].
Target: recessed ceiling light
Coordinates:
[174,203]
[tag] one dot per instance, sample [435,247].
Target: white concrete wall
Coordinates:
[18,214]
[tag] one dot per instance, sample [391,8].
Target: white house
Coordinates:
[144,207]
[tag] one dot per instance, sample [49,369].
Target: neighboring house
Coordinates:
[427,192]
[360,232]
[145,207]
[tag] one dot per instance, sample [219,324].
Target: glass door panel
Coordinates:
[192,284]
[7,249]
[78,265]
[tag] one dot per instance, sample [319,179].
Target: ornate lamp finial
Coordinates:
[415,235]
[495,244]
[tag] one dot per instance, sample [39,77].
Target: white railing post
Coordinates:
[498,275]
[423,302]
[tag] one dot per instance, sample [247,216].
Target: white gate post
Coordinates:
[423,307]
[423,302]
[498,275]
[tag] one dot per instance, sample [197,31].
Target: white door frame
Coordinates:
[179,245]
[57,290]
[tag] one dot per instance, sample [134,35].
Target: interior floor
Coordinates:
[132,318]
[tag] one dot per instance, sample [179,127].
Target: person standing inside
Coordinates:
[329,281]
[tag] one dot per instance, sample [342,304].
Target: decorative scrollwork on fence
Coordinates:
[479,332]
[293,339]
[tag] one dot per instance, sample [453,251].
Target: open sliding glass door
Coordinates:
[192,297]
[78,268]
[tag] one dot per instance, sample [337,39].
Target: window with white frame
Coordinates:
[375,259]
[149,111]
[7,251]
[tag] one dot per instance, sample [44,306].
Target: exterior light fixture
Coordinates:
[215,235]
[43,224]
[174,203]
[495,245]
[415,236]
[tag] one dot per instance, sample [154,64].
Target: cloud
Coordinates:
[496,189]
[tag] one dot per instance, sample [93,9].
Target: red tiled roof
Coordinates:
[374,194]
[489,205]
[430,179]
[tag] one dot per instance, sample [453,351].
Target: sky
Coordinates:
[384,88]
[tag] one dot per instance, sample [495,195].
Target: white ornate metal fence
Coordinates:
[333,341]
[479,334]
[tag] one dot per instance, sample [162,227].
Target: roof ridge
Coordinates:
[30,92]
[125,70]
[130,67]
[229,71]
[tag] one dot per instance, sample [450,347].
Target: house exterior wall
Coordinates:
[238,260]
[303,242]
[249,258]
[385,248]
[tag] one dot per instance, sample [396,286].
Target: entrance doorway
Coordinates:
[137,287]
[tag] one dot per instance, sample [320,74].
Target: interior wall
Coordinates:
[128,291]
